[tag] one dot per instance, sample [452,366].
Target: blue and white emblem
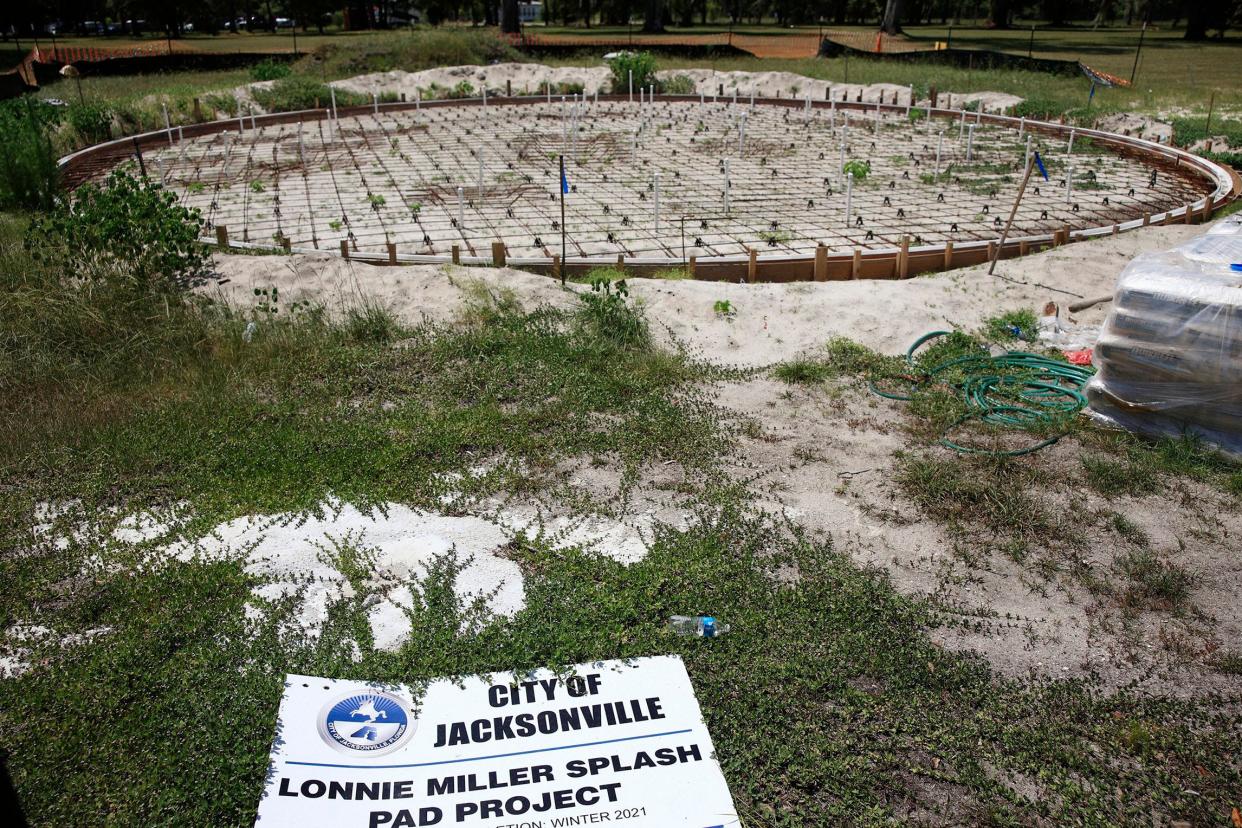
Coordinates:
[372,723]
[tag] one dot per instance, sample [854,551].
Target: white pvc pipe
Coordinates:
[461,209]
[727,186]
[1069,182]
[970,143]
[939,147]
[849,194]
[332,92]
[631,74]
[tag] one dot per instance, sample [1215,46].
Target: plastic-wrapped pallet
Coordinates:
[1170,352]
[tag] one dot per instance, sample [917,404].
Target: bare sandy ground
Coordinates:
[771,323]
[826,458]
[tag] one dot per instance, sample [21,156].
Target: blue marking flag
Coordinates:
[564,183]
[1039,162]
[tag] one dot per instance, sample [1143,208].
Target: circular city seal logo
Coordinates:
[372,723]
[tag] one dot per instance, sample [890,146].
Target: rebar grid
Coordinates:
[394,177]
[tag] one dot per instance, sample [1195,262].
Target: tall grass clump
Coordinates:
[95,286]
[29,177]
[608,318]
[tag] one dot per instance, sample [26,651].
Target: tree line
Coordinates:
[172,17]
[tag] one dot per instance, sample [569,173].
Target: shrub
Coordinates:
[270,70]
[29,176]
[677,85]
[1041,109]
[642,64]
[129,229]
[293,93]
[91,121]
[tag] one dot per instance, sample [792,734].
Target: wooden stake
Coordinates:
[903,267]
[693,265]
[344,249]
[948,255]
[1030,165]
[498,253]
[392,253]
[752,266]
[222,235]
[821,262]
[456,254]
[856,269]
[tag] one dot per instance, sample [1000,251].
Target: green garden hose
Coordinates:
[1015,389]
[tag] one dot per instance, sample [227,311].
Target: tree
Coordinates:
[509,18]
[1202,15]
[653,17]
[891,22]
[999,12]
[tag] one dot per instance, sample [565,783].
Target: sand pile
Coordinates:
[770,323]
[530,78]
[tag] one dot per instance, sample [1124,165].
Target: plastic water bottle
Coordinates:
[703,626]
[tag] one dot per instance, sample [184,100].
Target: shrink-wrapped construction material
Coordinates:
[1170,352]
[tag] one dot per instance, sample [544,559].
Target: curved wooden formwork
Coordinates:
[908,259]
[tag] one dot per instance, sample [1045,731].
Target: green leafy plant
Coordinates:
[641,64]
[91,121]
[128,229]
[463,89]
[377,201]
[607,317]
[257,186]
[860,169]
[297,92]
[270,70]
[677,85]
[724,308]
[29,176]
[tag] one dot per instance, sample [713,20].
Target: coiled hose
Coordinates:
[1015,389]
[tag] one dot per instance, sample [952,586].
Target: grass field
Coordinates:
[828,703]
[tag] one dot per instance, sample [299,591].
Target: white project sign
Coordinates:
[612,742]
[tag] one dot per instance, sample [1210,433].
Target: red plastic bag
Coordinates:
[1082,357]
